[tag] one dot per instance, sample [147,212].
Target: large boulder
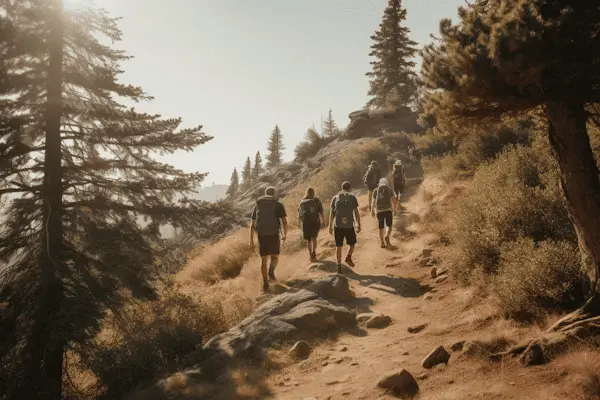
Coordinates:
[312,310]
[374,122]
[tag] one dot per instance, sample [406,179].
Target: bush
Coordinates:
[150,339]
[310,147]
[227,264]
[514,196]
[536,277]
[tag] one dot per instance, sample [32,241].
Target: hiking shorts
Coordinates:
[398,189]
[269,245]
[311,230]
[344,233]
[385,218]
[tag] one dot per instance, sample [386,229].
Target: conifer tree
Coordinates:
[247,172]
[275,148]
[506,57]
[392,78]
[330,128]
[80,170]
[234,184]
[258,168]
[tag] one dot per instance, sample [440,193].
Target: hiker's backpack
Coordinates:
[344,210]
[384,197]
[309,211]
[371,177]
[399,174]
[267,221]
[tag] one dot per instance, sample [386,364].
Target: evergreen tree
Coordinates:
[258,169]
[234,184]
[330,128]
[247,173]
[275,148]
[70,242]
[392,79]
[506,57]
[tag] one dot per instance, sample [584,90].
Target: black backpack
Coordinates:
[384,197]
[267,221]
[372,177]
[309,211]
[344,209]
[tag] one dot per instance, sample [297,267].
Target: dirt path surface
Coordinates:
[397,282]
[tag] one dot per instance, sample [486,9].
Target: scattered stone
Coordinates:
[441,279]
[405,353]
[361,319]
[334,382]
[430,263]
[401,383]
[392,265]
[422,376]
[343,349]
[324,363]
[428,296]
[354,364]
[424,262]
[433,272]
[416,329]
[458,346]
[451,381]
[300,350]
[379,322]
[427,252]
[437,356]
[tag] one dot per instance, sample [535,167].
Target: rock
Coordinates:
[437,356]
[427,252]
[307,311]
[428,296]
[433,272]
[441,279]
[405,353]
[458,346]
[300,350]
[401,383]
[424,262]
[416,329]
[379,322]
[362,319]
[343,349]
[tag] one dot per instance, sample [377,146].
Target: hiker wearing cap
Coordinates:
[267,217]
[371,179]
[384,207]
[343,217]
[310,213]
[398,178]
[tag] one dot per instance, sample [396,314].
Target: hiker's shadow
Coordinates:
[405,287]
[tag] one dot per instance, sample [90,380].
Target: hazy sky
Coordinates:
[238,67]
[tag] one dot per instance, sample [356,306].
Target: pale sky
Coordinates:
[238,67]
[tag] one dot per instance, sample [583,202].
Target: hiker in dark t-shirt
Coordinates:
[310,214]
[266,217]
[384,207]
[344,212]
[371,179]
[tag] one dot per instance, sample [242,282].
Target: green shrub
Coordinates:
[534,277]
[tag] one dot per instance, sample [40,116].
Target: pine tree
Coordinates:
[258,169]
[330,129]
[234,184]
[392,79]
[506,57]
[275,148]
[81,172]
[247,173]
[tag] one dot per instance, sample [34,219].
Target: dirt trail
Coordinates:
[393,282]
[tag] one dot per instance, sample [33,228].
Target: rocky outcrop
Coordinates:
[365,123]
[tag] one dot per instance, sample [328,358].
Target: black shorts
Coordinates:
[344,233]
[385,218]
[398,189]
[311,231]
[269,245]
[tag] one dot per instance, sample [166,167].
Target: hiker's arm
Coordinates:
[357,216]
[323,220]
[252,226]
[394,203]
[285,227]
[331,211]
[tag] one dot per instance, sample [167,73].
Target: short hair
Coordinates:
[346,185]
[270,191]
[383,182]
[310,193]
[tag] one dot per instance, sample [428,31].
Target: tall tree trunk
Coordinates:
[45,346]
[580,182]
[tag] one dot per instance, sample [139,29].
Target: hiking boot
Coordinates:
[350,262]
[314,256]
[340,269]
[272,274]
[387,241]
[265,285]
[383,245]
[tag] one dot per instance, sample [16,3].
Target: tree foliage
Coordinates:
[234,184]
[257,170]
[81,174]
[275,148]
[330,128]
[392,78]
[247,172]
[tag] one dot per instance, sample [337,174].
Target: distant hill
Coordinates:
[211,193]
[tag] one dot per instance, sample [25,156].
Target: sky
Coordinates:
[239,67]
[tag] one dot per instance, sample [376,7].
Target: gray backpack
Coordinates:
[344,210]
[267,222]
[309,211]
[384,197]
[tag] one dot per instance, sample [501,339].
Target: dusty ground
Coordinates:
[393,282]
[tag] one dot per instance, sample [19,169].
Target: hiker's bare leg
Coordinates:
[274,261]
[338,254]
[314,245]
[381,235]
[263,266]
[309,246]
[370,194]
[350,251]
[389,232]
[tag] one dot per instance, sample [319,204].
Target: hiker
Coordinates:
[371,179]
[398,178]
[384,206]
[310,213]
[344,212]
[266,217]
